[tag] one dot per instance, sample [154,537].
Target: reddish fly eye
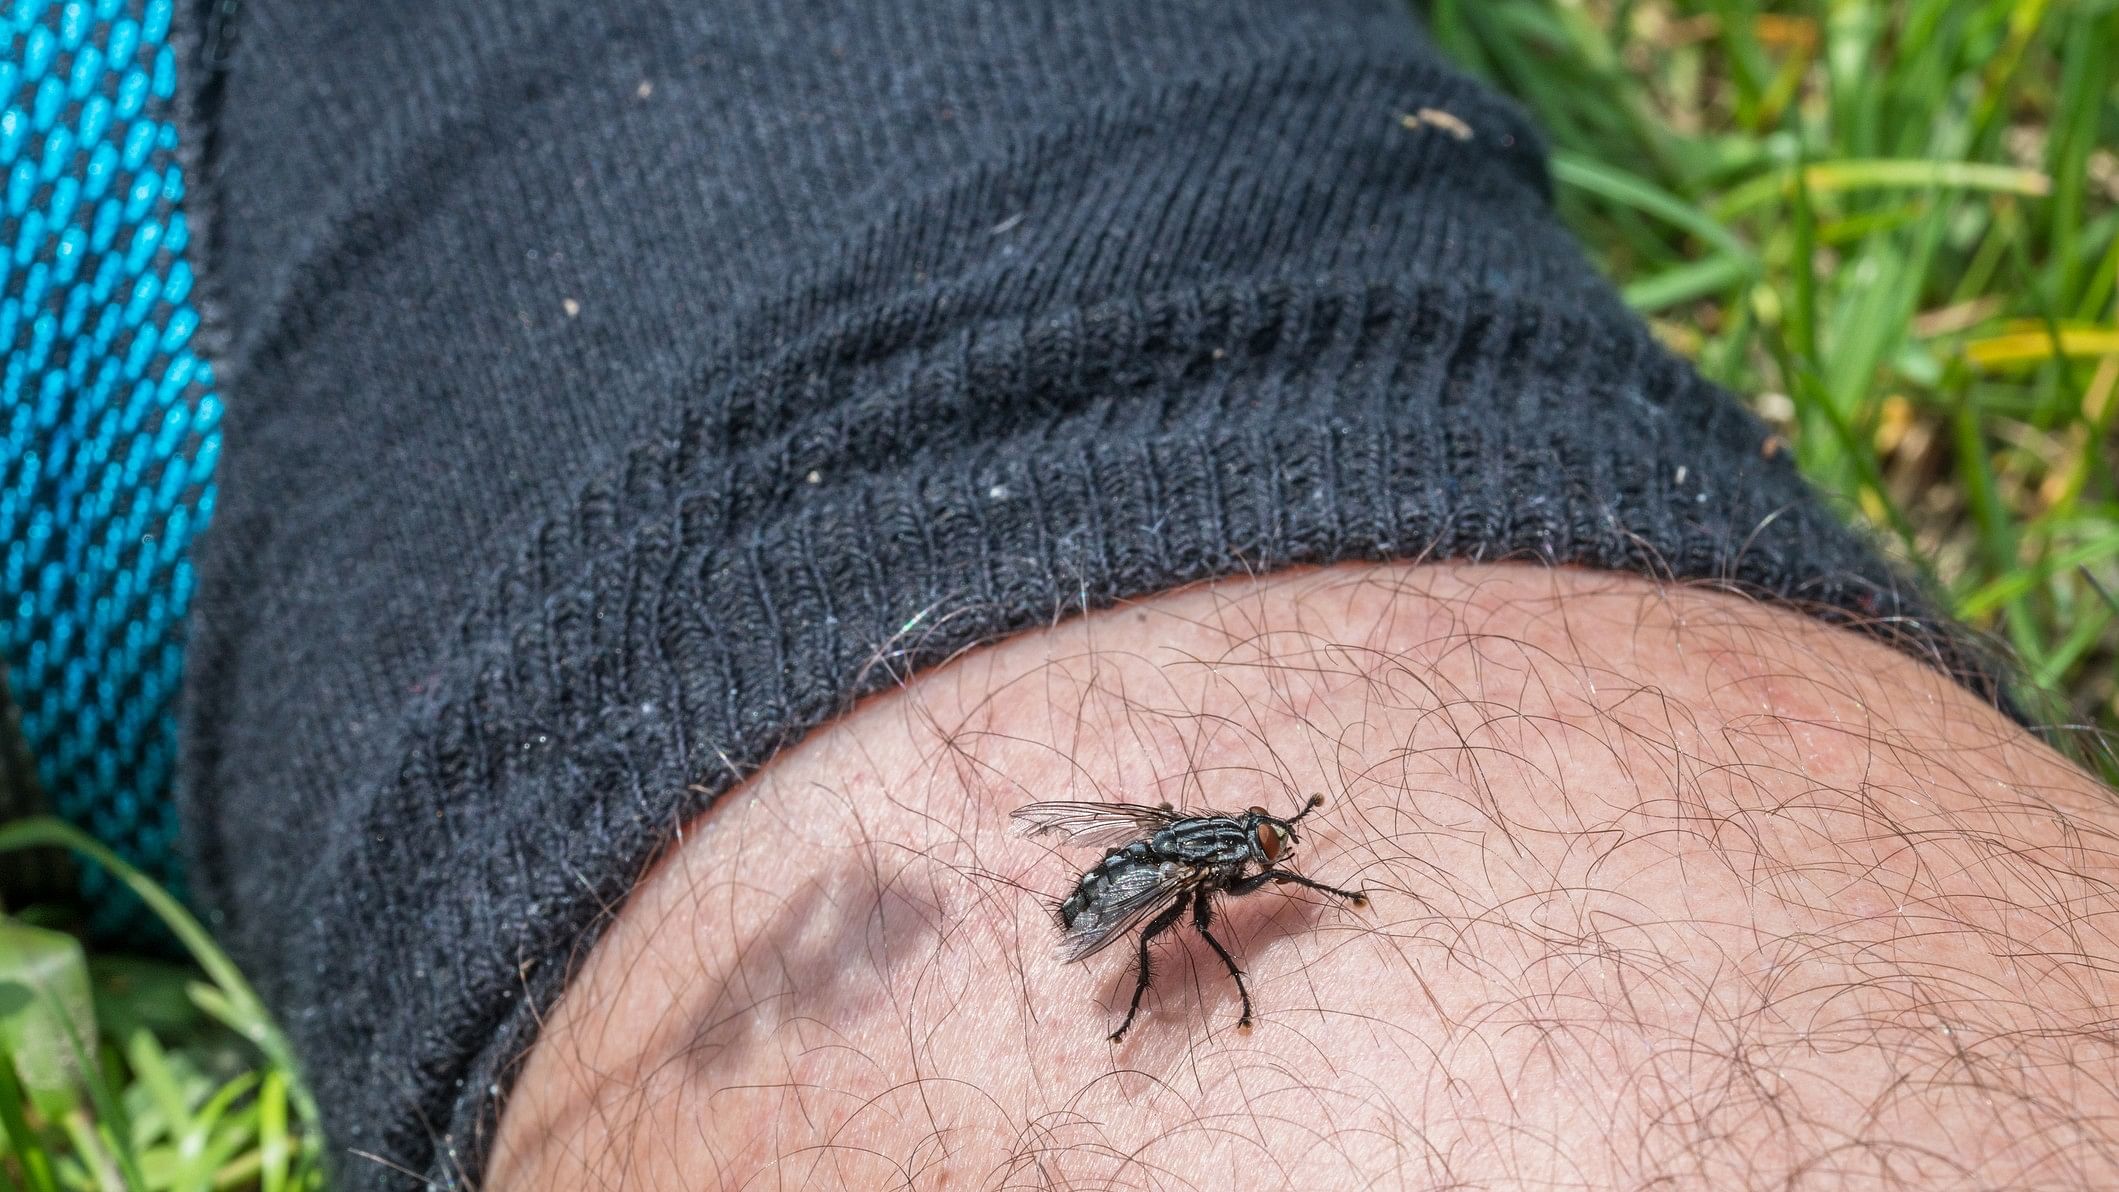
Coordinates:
[1269,842]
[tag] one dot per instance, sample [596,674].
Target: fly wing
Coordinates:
[1092,824]
[1126,896]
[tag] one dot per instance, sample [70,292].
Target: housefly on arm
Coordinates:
[1158,861]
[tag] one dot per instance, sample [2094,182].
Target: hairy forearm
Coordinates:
[1664,886]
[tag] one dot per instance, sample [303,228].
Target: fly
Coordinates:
[1159,860]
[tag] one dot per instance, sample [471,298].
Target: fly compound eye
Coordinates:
[1271,841]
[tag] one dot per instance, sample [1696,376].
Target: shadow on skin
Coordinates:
[1665,887]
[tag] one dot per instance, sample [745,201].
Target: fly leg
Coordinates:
[1357,898]
[1202,918]
[1309,805]
[1157,926]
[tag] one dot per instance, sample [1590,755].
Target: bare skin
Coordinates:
[1667,888]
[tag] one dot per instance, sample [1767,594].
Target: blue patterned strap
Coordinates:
[111,418]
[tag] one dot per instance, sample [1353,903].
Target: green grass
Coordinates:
[122,1073]
[1894,228]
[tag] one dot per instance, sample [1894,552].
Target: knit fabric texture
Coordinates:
[613,385]
[111,423]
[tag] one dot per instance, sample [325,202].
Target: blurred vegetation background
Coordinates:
[1893,227]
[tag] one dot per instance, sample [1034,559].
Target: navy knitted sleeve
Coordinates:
[607,383]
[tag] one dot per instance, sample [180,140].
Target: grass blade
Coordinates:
[1617,185]
[1829,177]
[274,1149]
[24,1147]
